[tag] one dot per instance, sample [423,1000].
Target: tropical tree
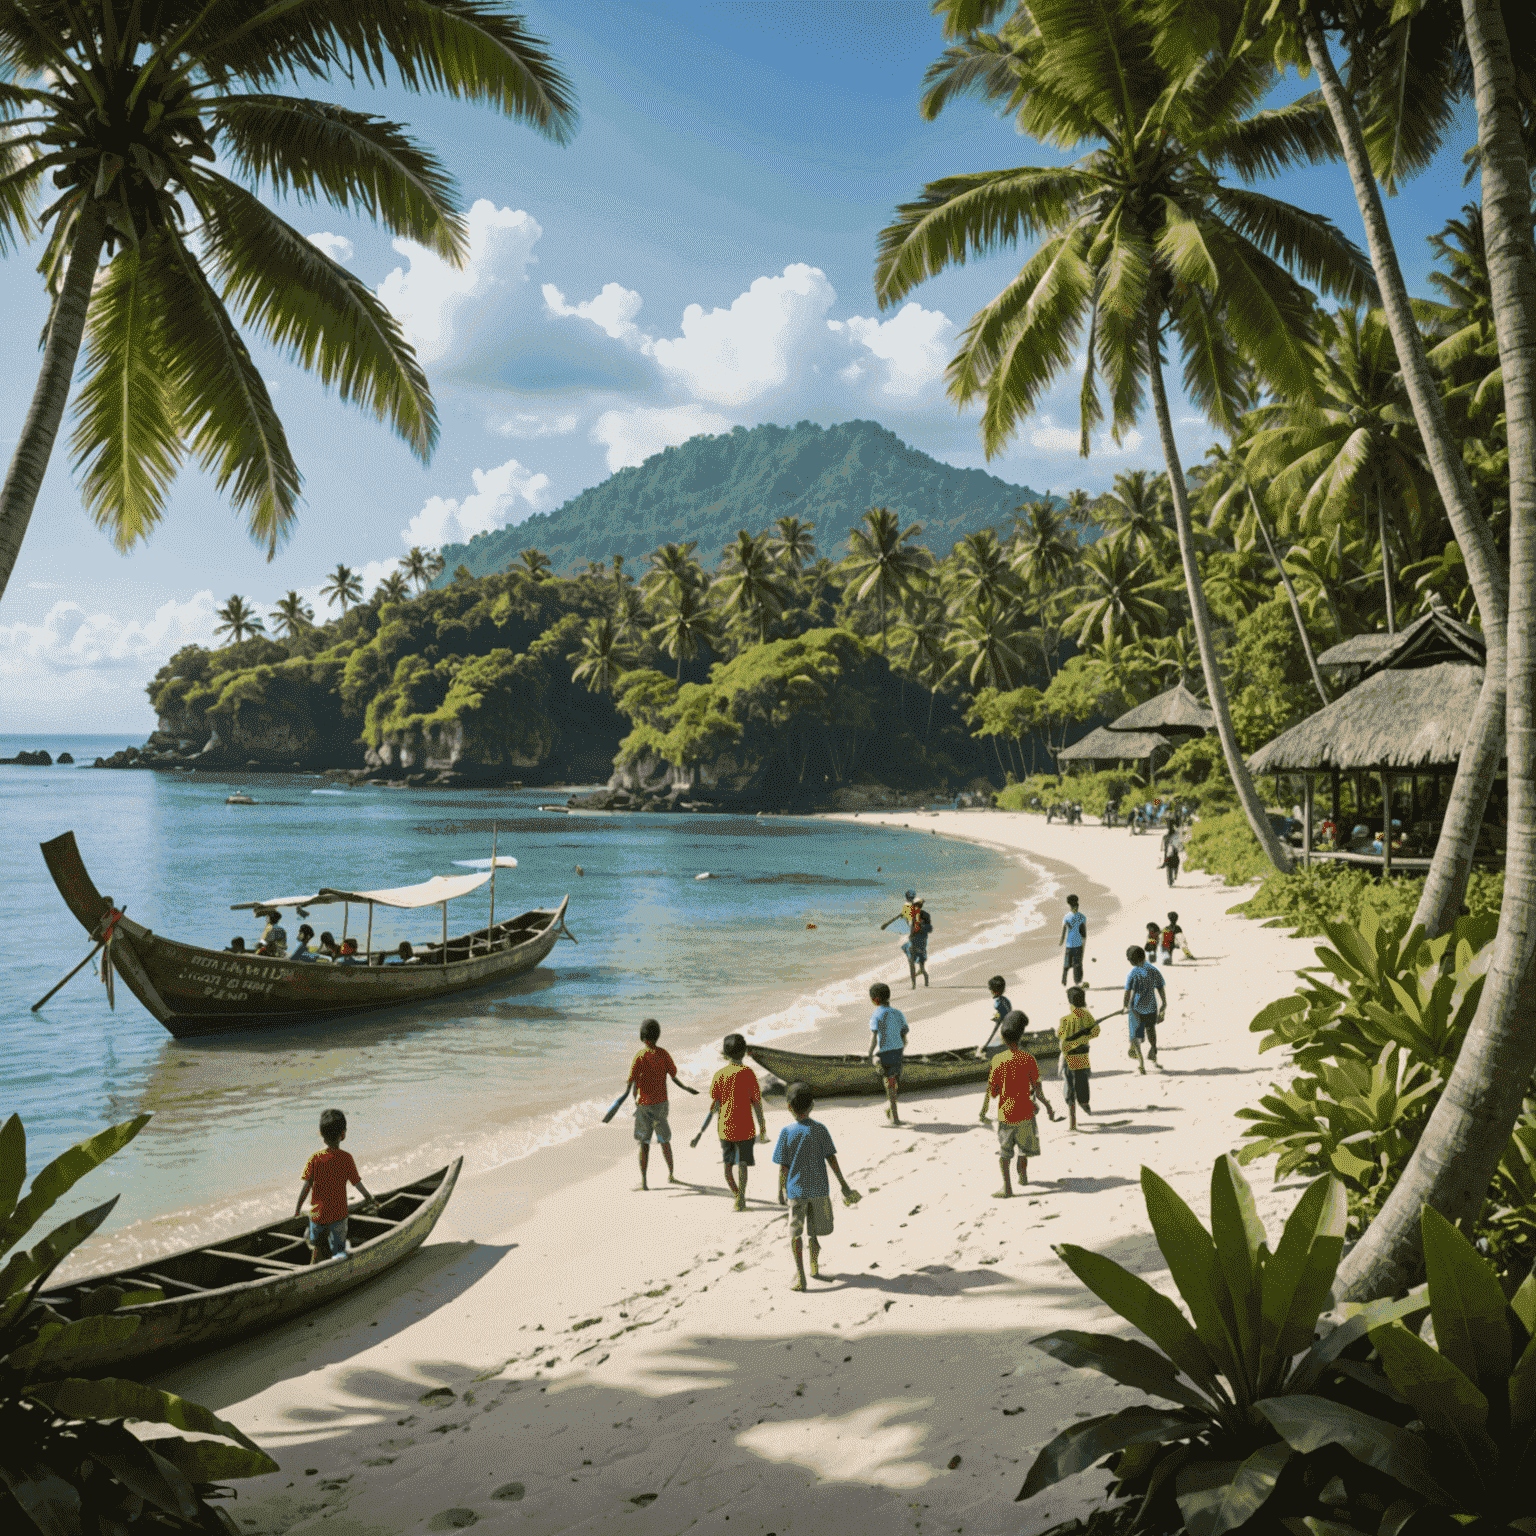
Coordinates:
[793,544]
[1138,510]
[342,588]
[393,589]
[988,644]
[749,587]
[1143,245]
[148,120]
[294,615]
[1044,545]
[673,567]
[686,625]
[418,566]
[1119,595]
[535,563]
[923,640]
[603,657]
[980,571]
[886,562]
[629,615]
[239,619]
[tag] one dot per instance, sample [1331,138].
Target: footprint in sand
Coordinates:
[513,1490]
[452,1520]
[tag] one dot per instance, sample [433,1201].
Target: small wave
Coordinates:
[799,877]
[328,791]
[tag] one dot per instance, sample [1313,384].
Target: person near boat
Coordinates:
[1146,1003]
[1074,935]
[348,954]
[1014,1081]
[274,937]
[301,951]
[327,948]
[734,1093]
[648,1074]
[1001,1007]
[1075,1031]
[887,1036]
[804,1153]
[326,1176]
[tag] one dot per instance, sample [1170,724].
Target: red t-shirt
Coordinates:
[1012,1082]
[649,1072]
[735,1090]
[328,1173]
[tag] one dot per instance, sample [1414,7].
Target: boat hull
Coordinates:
[208,1317]
[834,1076]
[194,991]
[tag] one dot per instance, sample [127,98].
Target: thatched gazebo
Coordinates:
[1404,725]
[1140,734]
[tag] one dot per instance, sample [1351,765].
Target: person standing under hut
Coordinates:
[1075,1031]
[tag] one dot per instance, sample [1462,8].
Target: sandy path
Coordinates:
[594,1358]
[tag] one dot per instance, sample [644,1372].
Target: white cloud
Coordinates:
[528,424]
[502,496]
[1046,436]
[916,342]
[337,247]
[614,309]
[71,639]
[632,436]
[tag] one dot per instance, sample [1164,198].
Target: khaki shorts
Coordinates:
[1022,1137]
[813,1216]
[649,1118]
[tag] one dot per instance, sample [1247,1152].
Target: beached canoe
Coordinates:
[827,1076]
[216,1294]
[195,991]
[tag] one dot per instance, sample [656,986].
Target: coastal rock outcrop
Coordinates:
[30,760]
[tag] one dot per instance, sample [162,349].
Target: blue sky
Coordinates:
[699,256]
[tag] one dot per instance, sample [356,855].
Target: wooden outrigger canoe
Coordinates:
[216,1294]
[827,1076]
[196,991]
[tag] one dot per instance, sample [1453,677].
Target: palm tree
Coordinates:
[982,571]
[393,589]
[239,620]
[342,587]
[1137,509]
[603,657]
[418,566]
[1142,246]
[535,563]
[1119,594]
[794,545]
[687,624]
[749,587]
[294,615]
[885,559]
[987,644]
[136,113]
[924,635]
[673,568]
[436,565]
[629,615]
[1044,547]
[1079,509]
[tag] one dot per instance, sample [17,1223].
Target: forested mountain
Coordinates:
[710,487]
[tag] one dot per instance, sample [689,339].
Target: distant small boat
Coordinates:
[239,798]
[829,1076]
[213,1295]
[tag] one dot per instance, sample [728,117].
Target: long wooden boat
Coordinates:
[196,991]
[214,1295]
[827,1076]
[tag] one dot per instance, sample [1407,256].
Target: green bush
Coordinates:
[1043,788]
[1306,900]
[1225,845]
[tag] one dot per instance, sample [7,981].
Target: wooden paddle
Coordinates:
[613,1108]
[58,985]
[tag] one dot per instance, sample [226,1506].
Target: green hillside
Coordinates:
[711,486]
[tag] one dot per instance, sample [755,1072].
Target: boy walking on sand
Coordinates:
[1001,1007]
[327,1174]
[888,1036]
[735,1093]
[1074,935]
[1014,1082]
[648,1074]
[1075,1031]
[1146,1001]
[1173,935]
[804,1153]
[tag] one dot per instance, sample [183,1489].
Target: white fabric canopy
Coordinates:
[429,893]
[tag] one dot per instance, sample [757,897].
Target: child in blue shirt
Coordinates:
[1001,1007]
[888,1036]
[1146,1001]
[1074,935]
[804,1153]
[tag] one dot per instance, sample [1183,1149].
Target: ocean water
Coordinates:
[496,1074]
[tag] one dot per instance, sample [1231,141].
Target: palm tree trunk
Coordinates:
[1295,602]
[1200,617]
[1386,554]
[1469,1129]
[1447,881]
[66,328]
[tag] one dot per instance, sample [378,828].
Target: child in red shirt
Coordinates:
[1014,1082]
[328,1173]
[735,1093]
[648,1074]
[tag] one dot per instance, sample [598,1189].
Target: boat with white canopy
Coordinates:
[196,991]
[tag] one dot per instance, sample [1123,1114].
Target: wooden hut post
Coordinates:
[1306,819]
[346,907]
[1386,825]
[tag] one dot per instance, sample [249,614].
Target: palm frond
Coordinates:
[311,150]
[324,317]
[1278,139]
[1406,78]
[1213,367]
[981,67]
[1307,241]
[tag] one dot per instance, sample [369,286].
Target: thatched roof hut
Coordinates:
[1107,745]
[1175,712]
[1143,733]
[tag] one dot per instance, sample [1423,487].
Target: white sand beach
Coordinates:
[567,1354]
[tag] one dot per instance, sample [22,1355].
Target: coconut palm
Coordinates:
[1079,509]
[149,120]
[417,565]
[1138,510]
[981,571]
[749,588]
[535,563]
[1044,547]
[884,560]
[1142,245]
[629,616]
[603,657]
[988,644]
[294,615]
[793,544]
[342,588]
[686,625]
[1118,594]
[238,620]
[673,567]
[393,589]
[923,637]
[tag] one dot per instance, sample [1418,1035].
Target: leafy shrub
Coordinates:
[1307,899]
[68,1463]
[1225,845]
[1034,794]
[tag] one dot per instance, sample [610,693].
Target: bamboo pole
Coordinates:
[1386,825]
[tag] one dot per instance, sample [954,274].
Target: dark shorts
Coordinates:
[1143,1026]
[890,1063]
[1076,1090]
[738,1152]
[329,1237]
[1072,960]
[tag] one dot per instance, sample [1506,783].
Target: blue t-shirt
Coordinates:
[886,1024]
[1077,930]
[803,1149]
[1142,983]
[1001,1008]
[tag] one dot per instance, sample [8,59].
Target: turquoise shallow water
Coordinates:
[499,1073]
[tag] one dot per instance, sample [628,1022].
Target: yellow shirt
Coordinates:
[1078,1022]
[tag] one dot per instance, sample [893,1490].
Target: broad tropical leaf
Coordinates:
[1467,1305]
[63,1173]
[113,1398]
[1308,1423]
[1083,1444]
[1218,1496]
[1130,1363]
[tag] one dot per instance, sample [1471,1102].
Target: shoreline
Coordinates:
[707,1383]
